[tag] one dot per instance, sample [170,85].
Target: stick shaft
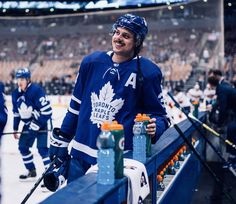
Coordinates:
[24,132]
[38,182]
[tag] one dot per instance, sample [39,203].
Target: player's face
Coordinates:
[22,83]
[123,44]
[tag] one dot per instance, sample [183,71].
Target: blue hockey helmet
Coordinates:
[135,24]
[23,73]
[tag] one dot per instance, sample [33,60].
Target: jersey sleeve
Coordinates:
[3,113]
[16,115]
[42,111]
[69,123]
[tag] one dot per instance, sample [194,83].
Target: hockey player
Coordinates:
[3,110]
[31,106]
[111,85]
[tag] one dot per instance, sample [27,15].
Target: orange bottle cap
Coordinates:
[159,178]
[105,126]
[139,118]
[171,163]
[145,117]
[116,126]
[175,158]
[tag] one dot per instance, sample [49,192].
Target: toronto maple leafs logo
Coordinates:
[103,106]
[25,111]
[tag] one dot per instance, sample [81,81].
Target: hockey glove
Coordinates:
[58,147]
[33,127]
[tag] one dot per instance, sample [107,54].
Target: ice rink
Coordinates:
[14,191]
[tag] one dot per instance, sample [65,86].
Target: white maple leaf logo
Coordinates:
[25,111]
[103,106]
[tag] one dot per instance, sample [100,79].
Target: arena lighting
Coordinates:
[17,8]
[229,4]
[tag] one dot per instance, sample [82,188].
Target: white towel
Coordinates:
[138,183]
[138,186]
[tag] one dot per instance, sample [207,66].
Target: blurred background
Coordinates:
[186,39]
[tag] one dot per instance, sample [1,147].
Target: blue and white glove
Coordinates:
[58,147]
[33,127]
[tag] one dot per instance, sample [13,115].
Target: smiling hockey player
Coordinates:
[111,85]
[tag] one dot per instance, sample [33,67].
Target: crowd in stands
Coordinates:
[54,56]
[59,58]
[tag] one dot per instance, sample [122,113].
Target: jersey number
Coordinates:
[43,101]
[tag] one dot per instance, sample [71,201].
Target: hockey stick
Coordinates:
[199,130]
[212,131]
[25,132]
[196,127]
[51,167]
[214,176]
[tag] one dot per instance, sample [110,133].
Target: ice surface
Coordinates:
[14,191]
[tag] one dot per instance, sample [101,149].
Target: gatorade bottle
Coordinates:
[148,138]
[176,161]
[160,184]
[105,160]
[180,155]
[118,131]
[195,108]
[171,169]
[139,140]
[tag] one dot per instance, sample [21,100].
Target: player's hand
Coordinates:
[58,147]
[151,127]
[16,135]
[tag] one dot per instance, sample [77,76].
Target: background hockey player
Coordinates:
[3,110]
[31,106]
[111,85]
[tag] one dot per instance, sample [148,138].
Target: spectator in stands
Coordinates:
[182,99]
[111,85]
[209,95]
[195,94]
[226,100]
[218,75]
[31,106]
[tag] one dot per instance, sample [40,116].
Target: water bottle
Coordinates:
[160,184]
[148,138]
[139,140]
[195,108]
[118,131]
[105,160]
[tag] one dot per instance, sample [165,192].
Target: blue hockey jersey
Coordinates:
[105,90]
[3,113]
[29,105]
